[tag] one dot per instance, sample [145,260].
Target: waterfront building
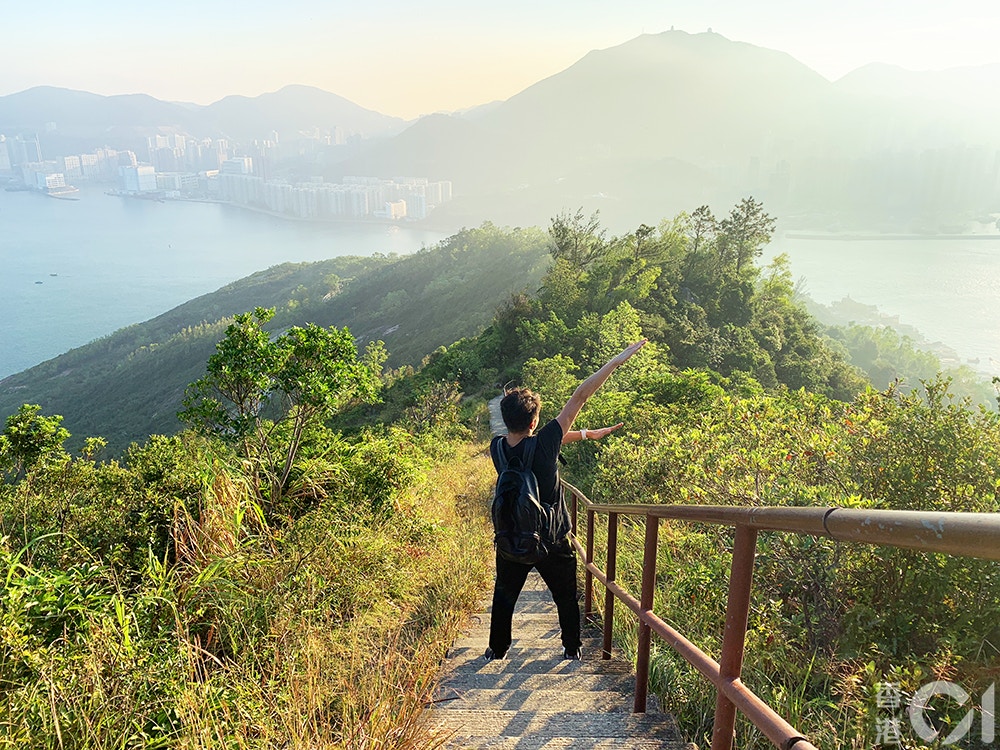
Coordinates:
[392,210]
[140,178]
[90,166]
[416,207]
[72,167]
[358,203]
[178,182]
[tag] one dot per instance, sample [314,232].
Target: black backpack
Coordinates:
[522,524]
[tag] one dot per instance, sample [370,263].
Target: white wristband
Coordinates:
[583,434]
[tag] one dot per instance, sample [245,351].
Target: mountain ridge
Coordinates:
[741,119]
[82,114]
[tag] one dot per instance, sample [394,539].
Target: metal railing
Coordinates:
[963,534]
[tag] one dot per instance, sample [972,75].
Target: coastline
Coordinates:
[117,265]
[852,237]
[423,224]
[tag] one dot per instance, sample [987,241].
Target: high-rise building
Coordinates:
[238,165]
[25,149]
[90,166]
[137,179]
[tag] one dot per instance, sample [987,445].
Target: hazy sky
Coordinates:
[406,58]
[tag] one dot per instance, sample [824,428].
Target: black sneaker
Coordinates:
[572,653]
[490,655]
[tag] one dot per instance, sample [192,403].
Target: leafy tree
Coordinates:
[28,437]
[554,378]
[577,239]
[562,292]
[743,234]
[264,393]
[701,227]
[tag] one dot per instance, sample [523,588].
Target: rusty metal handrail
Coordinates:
[962,534]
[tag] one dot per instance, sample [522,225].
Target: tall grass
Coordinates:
[326,632]
[830,697]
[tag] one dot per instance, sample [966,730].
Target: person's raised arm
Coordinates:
[589,387]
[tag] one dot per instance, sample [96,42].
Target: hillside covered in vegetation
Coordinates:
[286,570]
[128,385]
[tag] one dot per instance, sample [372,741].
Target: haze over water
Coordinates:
[117,262]
[106,262]
[949,289]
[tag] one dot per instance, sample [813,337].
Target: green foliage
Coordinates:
[235,634]
[553,376]
[690,285]
[29,438]
[820,608]
[577,240]
[260,584]
[66,510]
[265,394]
[127,386]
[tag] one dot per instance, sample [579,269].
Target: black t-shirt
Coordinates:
[545,466]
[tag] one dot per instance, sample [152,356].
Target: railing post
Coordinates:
[645,604]
[610,571]
[588,588]
[572,507]
[734,639]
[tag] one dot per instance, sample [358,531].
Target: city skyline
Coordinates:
[406,60]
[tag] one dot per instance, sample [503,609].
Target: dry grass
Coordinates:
[258,639]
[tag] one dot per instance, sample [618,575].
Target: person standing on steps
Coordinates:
[520,408]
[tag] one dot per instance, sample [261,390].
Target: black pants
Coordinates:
[558,571]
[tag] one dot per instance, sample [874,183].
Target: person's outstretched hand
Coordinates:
[600,432]
[627,353]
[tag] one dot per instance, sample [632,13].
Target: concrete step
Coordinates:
[568,743]
[570,698]
[620,682]
[534,662]
[518,653]
[535,699]
[530,638]
[492,723]
[546,617]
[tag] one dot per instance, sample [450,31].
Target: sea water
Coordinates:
[948,288]
[74,271]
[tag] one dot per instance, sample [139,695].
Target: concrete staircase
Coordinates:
[536,699]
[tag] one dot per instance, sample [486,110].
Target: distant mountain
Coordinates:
[294,110]
[78,113]
[964,86]
[930,107]
[638,130]
[698,100]
[474,113]
[78,117]
[687,96]
[437,146]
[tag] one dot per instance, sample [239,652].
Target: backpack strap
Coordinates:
[529,451]
[499,454]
